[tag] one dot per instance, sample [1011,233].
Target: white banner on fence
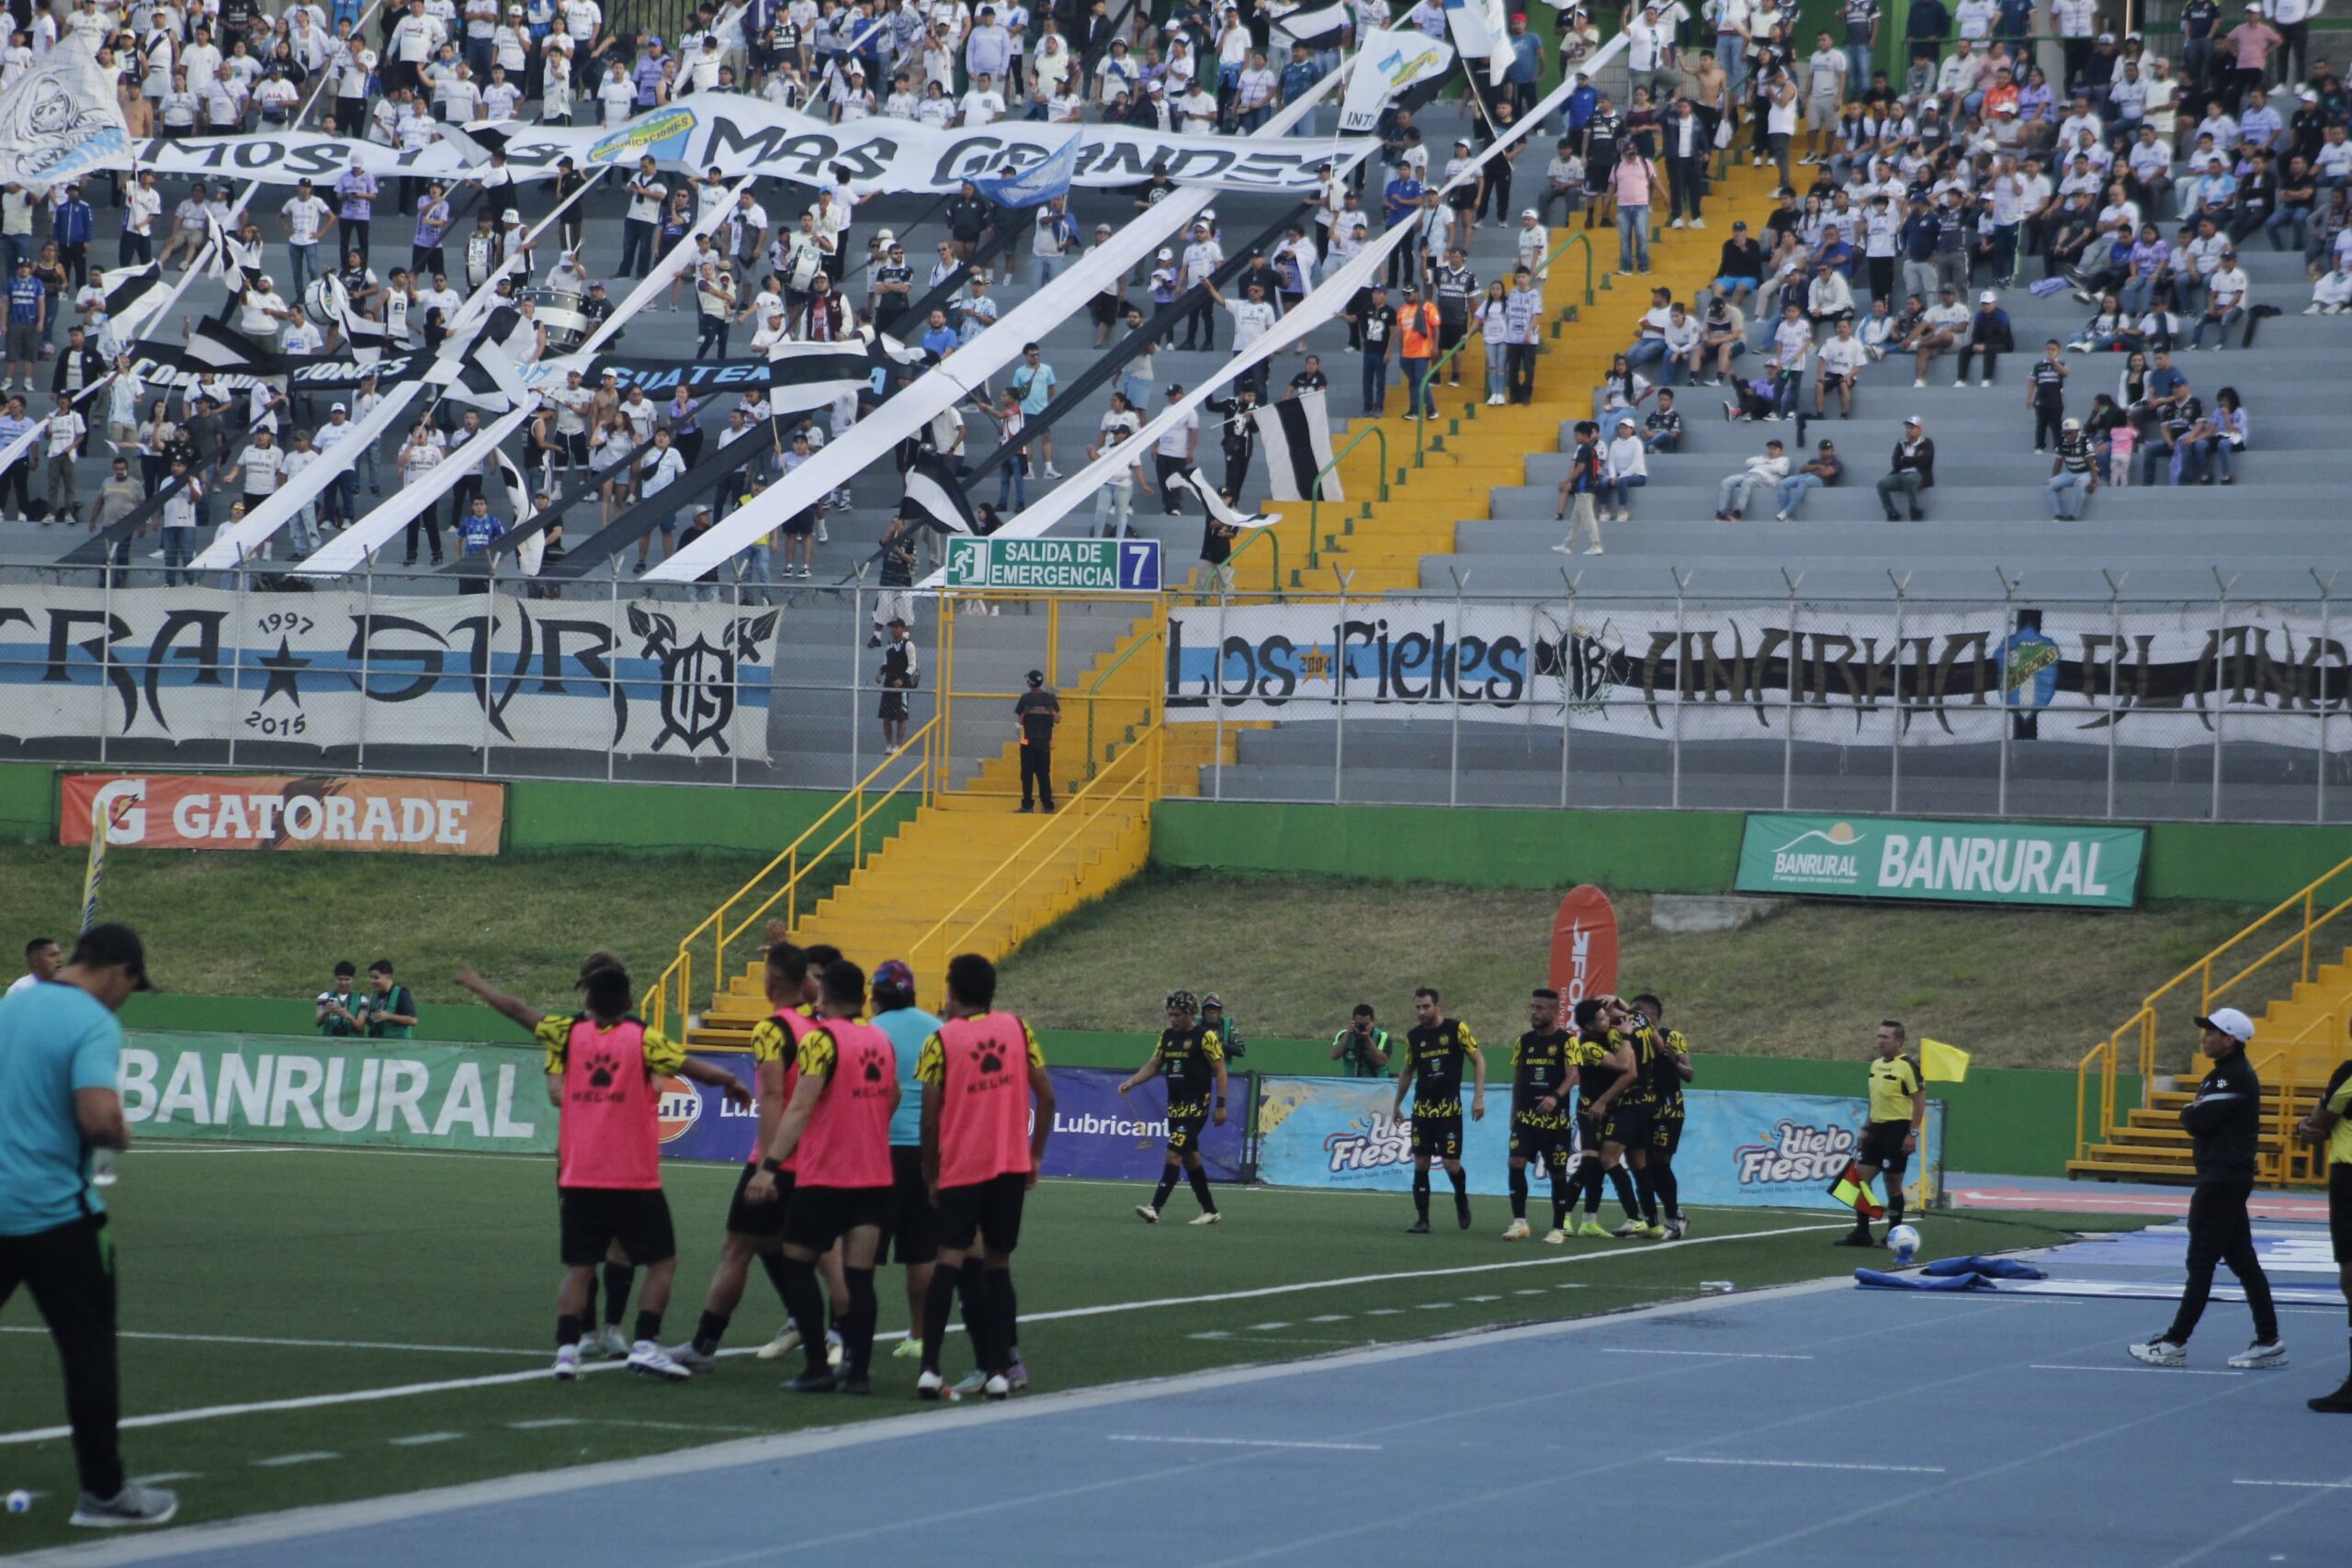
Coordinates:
[1624,670]
[744,135]
[334,668]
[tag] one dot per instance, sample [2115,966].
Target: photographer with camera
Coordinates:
[1362,1046]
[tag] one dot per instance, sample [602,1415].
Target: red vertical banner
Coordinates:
[1584,945]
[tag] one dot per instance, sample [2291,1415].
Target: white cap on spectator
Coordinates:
[1988,298]
[1913,420]
[1530,212]
[1167,254]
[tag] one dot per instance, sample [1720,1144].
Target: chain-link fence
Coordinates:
[2127,708]
[390,671]
[2217,710]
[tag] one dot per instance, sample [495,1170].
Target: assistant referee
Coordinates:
[60,1044]
[1898,1110]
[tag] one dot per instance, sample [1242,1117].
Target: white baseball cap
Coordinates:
[2230,1022]
[1988,298]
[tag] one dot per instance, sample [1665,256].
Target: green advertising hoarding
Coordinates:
[1966,863]
[385,1093]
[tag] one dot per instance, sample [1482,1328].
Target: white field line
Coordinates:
[295,1344]
[1106,1309]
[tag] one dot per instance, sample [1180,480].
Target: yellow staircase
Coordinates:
[965,871]
[1405,500]
[2294,982]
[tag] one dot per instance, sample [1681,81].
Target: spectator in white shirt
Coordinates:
[1841,359]
[1764,471]
[1626,468]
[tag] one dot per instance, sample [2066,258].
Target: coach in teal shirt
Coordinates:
[59,1048]
[913,1236]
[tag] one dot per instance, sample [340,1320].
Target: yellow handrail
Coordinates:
[1315,504]
[2143,1029]
[2082,1095]
[677,981]
[1096,685]
[1576,239]
[931,952]
[1420,399]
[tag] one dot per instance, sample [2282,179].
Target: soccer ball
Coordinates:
[1904,1240]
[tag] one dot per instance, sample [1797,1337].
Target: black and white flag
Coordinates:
[213,344]
[1197,483]
[1317,28]
[934,499]
[1297,434]
[134,293]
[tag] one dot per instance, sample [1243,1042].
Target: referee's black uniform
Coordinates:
[2223,1121]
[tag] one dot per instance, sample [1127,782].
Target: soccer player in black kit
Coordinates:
[1542,1074]
[1670,1070]
[1603,1059]
[1434,1050]
[1191,1058]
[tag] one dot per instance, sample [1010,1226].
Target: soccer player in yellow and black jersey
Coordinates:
[1670,1069]
[1435,1048]
[1542,1077]
[2330,1125]
[1898,1110]
[1627,1112]
[1604,1060]
[1191,1058]
[755,1230]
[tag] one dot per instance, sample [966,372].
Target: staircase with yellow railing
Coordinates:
[934,871]
[1405,506]
[2288,972]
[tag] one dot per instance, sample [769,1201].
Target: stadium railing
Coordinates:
[1131,778]
[2290,928]
[911,767]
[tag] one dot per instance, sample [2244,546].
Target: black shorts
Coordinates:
[765,1221]
[1596,175]
[912,1235]
[989,1210]
[1438,1137]
[593,1218]
[800,524]
[1588,1135]
[1666,1135]
[893,705]
[1882,1145]
[1105,310]
[819,1217]
[2339,1211]
[1546,1147]
[1629,1126]
[1184,1125]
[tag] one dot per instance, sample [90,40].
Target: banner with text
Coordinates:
[1973,862]
[739,134]
[340,667]
[1755,1150]
[388,1093]
[257,811]
[1099,1132]
[2163,676]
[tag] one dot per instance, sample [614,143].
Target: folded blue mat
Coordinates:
[1992,1268]
[1871,1279]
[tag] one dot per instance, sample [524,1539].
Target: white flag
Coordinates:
[1388,63]
[60,121]
[1466,20]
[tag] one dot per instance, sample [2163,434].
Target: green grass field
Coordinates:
[252,1277]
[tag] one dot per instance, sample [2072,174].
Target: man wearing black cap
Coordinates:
[58,1046]
[1038,710]
[2224,1127]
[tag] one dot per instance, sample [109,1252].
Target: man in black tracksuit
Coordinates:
[2224,1122]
